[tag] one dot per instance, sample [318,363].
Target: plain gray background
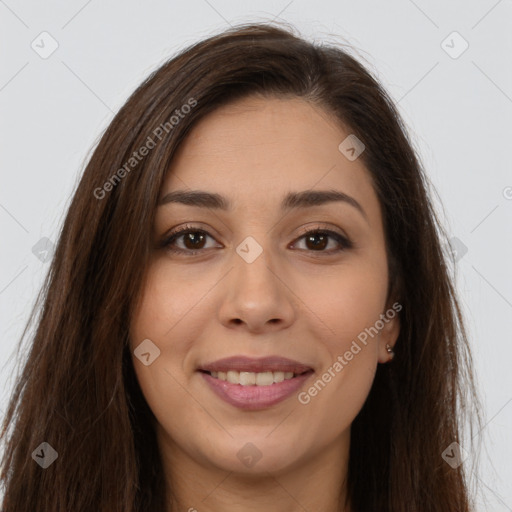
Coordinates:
[456,101]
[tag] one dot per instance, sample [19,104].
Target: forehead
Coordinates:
[257,149]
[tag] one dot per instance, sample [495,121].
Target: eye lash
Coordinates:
[167,240]
[342,240]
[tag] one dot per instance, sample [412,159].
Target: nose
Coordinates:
[257,296]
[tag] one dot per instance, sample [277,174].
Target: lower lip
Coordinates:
[255,397]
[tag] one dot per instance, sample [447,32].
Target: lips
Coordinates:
[256,365]
[255,384]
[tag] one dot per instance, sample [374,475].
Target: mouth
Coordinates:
[254,384]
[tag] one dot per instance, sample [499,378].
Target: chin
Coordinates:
[253,455]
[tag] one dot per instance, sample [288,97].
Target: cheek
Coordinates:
[170,302]
[166,317]
[347,301]
[157,319]
[172,314]
[348,305]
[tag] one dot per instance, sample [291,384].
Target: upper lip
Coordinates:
[256,365]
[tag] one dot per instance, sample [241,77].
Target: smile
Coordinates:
[254,383]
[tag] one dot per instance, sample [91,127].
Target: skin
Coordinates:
[295,300]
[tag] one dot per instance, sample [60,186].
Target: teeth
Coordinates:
[246,378]
[264,378]
[251,378]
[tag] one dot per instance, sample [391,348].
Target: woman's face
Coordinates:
[246,282]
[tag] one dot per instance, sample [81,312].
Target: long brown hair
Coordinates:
[77,390]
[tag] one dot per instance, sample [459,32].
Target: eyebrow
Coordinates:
[293,200]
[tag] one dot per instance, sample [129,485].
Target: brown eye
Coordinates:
[317,240]
[186,240]
[193,240]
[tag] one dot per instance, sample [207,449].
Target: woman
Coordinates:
[249,306]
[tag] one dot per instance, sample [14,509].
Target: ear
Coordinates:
[389,332]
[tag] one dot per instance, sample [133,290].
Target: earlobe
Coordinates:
[390,351]
[387,340]
[386,353]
